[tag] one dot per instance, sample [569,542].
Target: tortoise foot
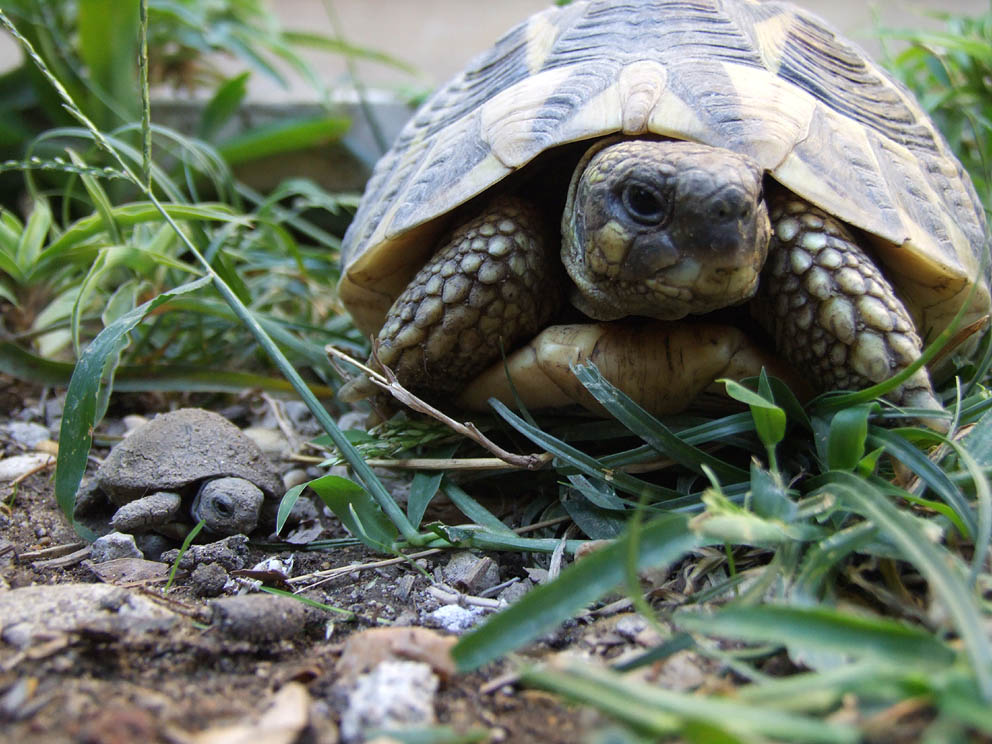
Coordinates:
[833,315]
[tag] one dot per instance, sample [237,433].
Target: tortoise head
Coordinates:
[663,229]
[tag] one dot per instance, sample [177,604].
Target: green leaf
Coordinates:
[823,629]
[725,522]
[938,567]
[23,365]
[33,237]
[222,106]
[423,488]
[474,510]
[357,511]
[661,541]
[650,429]
[80,413]
[768,497]
[100,200]
[338,46]
[581,461]
[283,136]
[900,448]
[769,419]
[660,712]
[108,45]
[847,436]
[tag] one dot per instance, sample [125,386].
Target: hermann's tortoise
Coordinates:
[677,145]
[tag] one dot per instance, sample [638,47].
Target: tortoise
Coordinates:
[189,463]
[614,181]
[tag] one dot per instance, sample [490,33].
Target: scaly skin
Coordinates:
[832,313]
[493,285]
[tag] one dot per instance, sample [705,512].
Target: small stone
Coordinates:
[394,695]
[271,441]
[208,579]
[114,545]
[26,433]
[259,617]
[231,553]
[471,573]
[294,477]
[515,591]
[20,465]
[455,619]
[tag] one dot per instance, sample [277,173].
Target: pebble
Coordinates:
[259,617]
[114,545]
[26,433]
[17,466]
[231,553]
[471,573]
[394,695]
[455,619]
[209,579]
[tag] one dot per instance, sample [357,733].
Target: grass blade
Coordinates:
[659,712]
[938,567]
[661,541]
[650,429]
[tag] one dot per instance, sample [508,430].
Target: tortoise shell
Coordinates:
[765,79]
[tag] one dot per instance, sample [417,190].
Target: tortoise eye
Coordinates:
[644,205]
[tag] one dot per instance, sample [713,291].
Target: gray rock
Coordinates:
[26,433]
[208,579]
[259,617]
[231,553]
[31,614]
[394,695]
[112,546]
[471,573]
[515,591]
[456,619]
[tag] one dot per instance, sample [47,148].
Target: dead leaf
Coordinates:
[282,722]
[366,650]
[130,571]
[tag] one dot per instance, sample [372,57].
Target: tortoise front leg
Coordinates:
[493,284]
[832,313]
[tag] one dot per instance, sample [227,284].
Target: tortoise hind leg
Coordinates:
[493,284]
[832,313]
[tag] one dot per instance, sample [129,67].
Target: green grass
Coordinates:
[838,552]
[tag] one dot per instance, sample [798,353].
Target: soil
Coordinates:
[191,678]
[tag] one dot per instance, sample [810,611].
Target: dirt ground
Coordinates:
[147,665]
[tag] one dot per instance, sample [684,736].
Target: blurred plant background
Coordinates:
[854,592]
